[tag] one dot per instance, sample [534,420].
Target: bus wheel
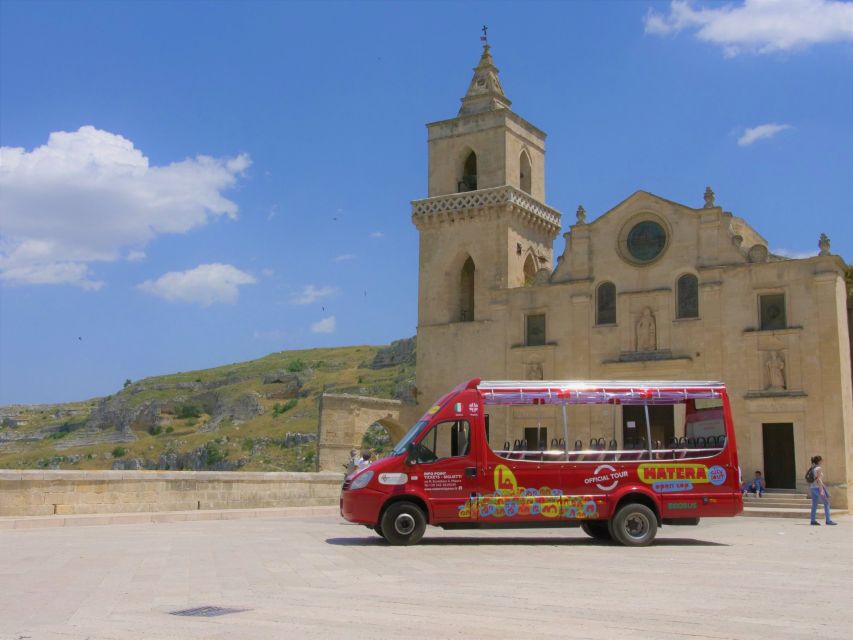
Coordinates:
[596,529]
[634,525]
[403,523]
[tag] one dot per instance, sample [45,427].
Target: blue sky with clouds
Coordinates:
[189,184]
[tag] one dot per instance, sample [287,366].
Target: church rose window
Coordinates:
[646,240]
[772,311]
[688,296]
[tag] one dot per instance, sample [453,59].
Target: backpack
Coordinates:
[810,474]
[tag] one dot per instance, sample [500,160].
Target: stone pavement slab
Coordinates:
[318,577]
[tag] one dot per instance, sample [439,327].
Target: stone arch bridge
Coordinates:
[345,418]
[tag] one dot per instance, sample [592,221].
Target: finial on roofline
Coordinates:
[709,198]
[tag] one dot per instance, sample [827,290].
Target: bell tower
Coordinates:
[485,224]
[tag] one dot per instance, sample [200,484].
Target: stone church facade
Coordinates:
[651,289]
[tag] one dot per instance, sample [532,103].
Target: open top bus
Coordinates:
[620,486]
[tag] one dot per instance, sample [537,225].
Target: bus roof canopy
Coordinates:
[516,392]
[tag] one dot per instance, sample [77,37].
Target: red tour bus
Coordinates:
[670,471]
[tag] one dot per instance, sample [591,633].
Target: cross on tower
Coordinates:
[485,36]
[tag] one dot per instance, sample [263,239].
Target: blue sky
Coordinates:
[234,178]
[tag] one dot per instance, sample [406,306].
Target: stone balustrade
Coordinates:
[451,207]
[32,493]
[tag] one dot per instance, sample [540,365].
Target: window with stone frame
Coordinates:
[525,172]
[529,271]
[605,303]
[469,174]
[771,310]
[535,330]
[687,293]
[466,291]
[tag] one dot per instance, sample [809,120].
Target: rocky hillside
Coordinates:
[260,415]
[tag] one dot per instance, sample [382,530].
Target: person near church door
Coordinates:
[756,485]
[818,490]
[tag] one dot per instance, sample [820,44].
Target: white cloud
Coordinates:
[758,26]
[207,284]
[344,258]
[90,195]
[377,234]
[311,294]
[761,132]
[796,255]
[326,325]
[135,256]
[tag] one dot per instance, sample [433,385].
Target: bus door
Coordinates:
[444,467]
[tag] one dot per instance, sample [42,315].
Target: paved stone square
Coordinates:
[318,577]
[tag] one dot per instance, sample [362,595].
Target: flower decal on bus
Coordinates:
[510,500]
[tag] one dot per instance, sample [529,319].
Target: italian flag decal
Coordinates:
[457,407]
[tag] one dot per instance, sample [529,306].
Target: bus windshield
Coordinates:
[411,434]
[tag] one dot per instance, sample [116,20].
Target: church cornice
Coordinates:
[486,120]
[460,206]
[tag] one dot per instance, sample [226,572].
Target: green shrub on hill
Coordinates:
[279,408]
[187,411]
[296,365]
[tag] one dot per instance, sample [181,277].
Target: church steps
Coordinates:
[777,503]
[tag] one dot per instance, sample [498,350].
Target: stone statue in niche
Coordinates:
[775,365]
[535,371]
[646,333]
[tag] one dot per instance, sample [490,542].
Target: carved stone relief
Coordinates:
[774,365]
[646,331]
[534,371]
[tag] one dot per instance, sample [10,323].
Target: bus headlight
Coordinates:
[361,480]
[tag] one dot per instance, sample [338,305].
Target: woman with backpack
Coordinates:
[818,490]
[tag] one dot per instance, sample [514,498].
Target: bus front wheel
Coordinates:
[634,525]
[596,529]
[403,523]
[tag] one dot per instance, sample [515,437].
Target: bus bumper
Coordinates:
[362,506]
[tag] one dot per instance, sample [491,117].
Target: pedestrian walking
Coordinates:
[818,490]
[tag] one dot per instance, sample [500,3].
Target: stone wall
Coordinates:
[31,493]
[345,418]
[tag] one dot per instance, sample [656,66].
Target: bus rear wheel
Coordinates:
[403,523]
[596,529]
[634,525]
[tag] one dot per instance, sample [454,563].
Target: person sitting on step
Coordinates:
[756,485]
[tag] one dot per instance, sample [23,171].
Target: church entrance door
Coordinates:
[779,466]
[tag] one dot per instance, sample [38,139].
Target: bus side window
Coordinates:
[704,429]
[445,440]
